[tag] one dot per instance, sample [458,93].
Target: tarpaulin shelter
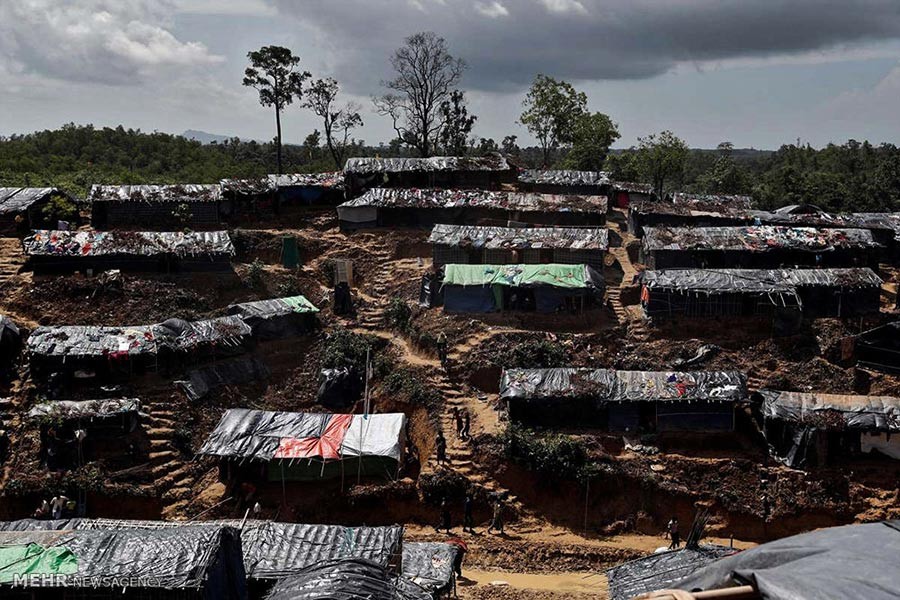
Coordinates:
[542,288]
[474,244]
[185,562]
[739,292]
[836,563]
[303,446]
[26,204]
[762,246]
[430,565]
[349,578]
[249,198]
[277,317]
[879,348]
[659,213]
[129,350]
[624,400]
[660,570]
[235,371]
[486,172]
[106,422]
[104,350]
[382,207]
[155,206]
[729,200]
[339,389]
[271,550]
[10,341]
[810,428]
[165,251]
[624,193]
[547,181]
[191,341]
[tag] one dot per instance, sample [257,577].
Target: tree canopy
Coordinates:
[551,110]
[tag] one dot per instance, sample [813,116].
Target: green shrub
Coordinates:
[345,349]
[408,385]
[287,288]
[60,208]
[533,354]
[255,273]
[443,484]
[397,314]
[554,455]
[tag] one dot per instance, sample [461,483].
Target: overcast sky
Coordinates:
[758,73]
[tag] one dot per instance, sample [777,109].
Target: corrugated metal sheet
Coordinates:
[520,238]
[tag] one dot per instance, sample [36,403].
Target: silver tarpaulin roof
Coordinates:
[570,238]
[607,385]
[78,244]
[366,166]
[757,280]
[764,238]
[564,177]
[833,411]
[81,409]
[439,198]
[187,192]
[17,199]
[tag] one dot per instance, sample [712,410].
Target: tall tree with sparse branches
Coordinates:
[338,123]
[426,75]
[457,124]
[660,159]
[273,73]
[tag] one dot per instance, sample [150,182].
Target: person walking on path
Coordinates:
[442,349]
[457,417]
[445,516]
[673,534]
[468,521]
[440,445]
[497,520]
[467,423]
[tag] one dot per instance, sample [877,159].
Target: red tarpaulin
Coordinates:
[328,446]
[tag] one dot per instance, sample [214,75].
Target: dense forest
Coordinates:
[855,176]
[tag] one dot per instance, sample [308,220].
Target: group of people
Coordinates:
[57,508]
[463,422]
[468,520]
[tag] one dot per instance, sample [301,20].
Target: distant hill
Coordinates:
[205,137]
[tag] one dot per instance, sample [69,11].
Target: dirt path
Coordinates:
[568,583]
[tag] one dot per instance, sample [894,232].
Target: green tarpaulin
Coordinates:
[555,275]
[290,254]
[33,559]
[299,304]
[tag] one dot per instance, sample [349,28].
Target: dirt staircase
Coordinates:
[12,259]
[371,315]
[172,475]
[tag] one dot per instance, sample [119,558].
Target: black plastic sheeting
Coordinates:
[370,165]
[607,385]
[200,557]
[660,571]
[838,563]
[236,371]
[564,177]
[339,389]
[879,348]
[521,238]
[270,550]
[429,565]
[833,411]
[347,579]
[15,199]
[758,280]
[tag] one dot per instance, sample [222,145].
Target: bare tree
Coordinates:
[272,72]
[321,98]
[426,74]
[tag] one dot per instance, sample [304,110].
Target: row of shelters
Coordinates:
[801,429]
[230,560]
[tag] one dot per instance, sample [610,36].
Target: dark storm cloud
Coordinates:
[506,42]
